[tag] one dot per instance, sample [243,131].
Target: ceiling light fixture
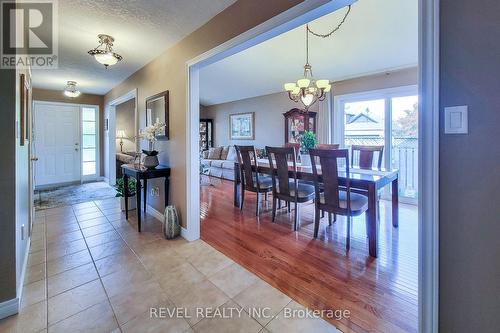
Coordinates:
[71,90]
[103,53]
[307,90]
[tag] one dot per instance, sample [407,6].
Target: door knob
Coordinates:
[34,159]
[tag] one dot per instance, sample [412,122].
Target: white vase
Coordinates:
[131,203]
[305,160]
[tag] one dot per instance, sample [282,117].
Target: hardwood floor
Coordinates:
[380,294]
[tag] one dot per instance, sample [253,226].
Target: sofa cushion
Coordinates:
[228,165]
[214,153]
[205,162]
[231,154]
[223,154]
[216,163]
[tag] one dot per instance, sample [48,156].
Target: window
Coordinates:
[89,141]
[386,118]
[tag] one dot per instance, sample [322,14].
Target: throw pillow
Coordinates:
[214,153]
[223,154]
[231,154]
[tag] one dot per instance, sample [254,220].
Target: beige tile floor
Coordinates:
[89,270]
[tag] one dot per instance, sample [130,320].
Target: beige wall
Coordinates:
[125,120]
[384,80]
[269,120]
[269,109]
[168,72]
[90,99]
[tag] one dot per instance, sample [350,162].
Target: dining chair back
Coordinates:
[327,146]
[365,156]
[247,159]
[296,146]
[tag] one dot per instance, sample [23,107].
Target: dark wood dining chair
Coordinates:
[251,180]
[334,198]
[366,155]
[286,188]
[296,146]
[327,146]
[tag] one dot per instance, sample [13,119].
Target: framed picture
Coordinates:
[242,126]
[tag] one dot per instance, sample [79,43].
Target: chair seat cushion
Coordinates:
[304,190]
[265,182]
[359,203]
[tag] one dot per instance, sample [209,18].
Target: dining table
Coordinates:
[369,181]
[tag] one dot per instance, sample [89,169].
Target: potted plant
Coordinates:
[120,192]
[149,133]
[308,141]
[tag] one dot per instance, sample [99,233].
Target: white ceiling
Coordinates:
[142,31]
[377,36]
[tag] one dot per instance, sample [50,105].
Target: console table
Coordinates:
[142,173]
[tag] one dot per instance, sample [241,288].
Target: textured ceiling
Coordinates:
[377,36]
[142,30]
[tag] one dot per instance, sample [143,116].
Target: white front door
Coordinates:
[57,130]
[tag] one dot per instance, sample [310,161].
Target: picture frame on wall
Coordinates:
[242,126]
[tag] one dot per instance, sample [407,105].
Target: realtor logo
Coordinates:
[29,34]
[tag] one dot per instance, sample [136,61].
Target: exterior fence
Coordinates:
[404,156]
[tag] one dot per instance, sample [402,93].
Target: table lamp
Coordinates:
[120,134]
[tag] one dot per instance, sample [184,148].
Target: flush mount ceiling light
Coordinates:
[307,90]
[71,90]
[103,53]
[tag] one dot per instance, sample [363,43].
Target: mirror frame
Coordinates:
[165,96]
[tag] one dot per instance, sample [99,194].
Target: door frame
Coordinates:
[110,138]
[428,89]
[80,106]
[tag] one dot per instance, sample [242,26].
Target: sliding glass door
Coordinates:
[386,118]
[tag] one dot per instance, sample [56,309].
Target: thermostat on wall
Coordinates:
[456,120]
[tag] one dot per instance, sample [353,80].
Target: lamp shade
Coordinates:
[120,134]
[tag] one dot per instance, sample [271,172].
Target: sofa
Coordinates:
[220,161]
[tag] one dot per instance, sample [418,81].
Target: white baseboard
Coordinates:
[155,213]
[160,216]
[9,308]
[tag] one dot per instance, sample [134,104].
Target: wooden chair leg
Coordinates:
[265,196]
[289,207]
[296,215]
[334,217]
[274,209]
[279,204]
[322,213]
[316,222]
[242,199]
[257,205]
[348,240]
[329,218]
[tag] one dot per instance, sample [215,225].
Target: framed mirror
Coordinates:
[157,111]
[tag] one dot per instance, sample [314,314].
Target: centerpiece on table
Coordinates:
[149,133]
[307,141]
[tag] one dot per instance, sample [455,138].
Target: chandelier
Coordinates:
[103,53]
[308,90]
[71,90]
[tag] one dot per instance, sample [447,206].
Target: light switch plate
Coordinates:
[456,120]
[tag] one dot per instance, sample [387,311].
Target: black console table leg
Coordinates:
[138,209]
[125,194]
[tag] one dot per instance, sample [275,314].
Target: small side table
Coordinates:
[130,170]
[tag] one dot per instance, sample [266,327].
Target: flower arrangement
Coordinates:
[149,133]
